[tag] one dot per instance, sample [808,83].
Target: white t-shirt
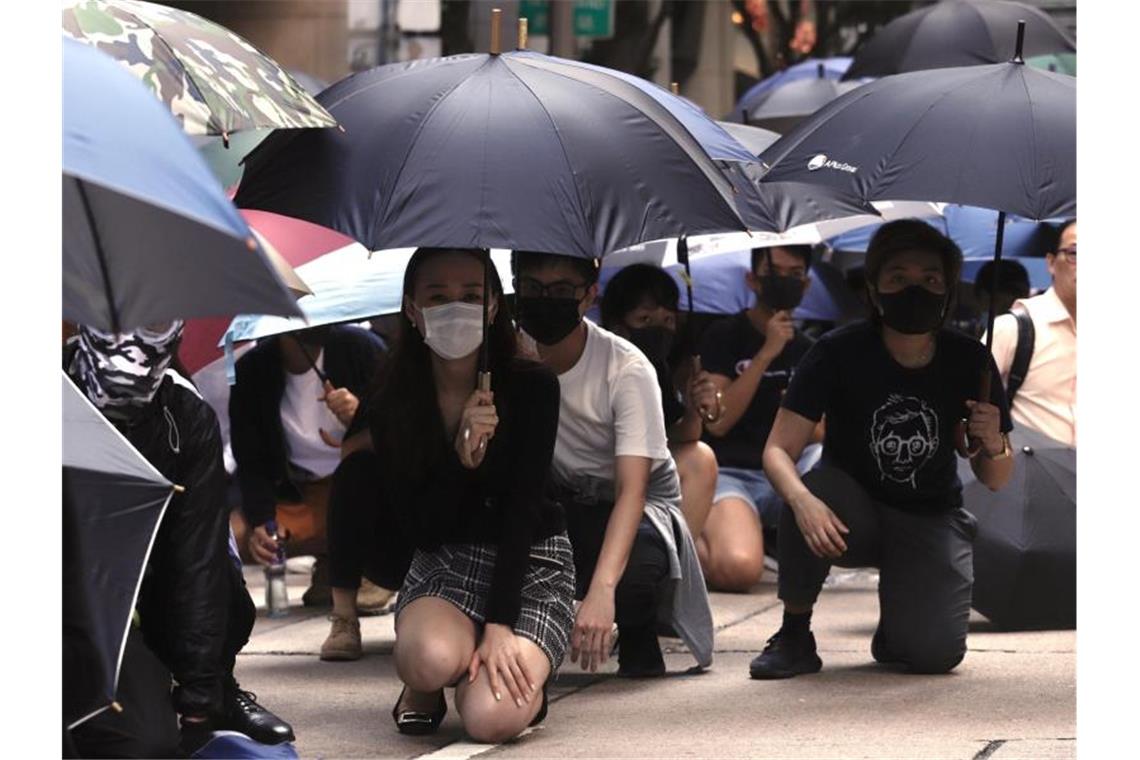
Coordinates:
[611,406]
[303,416]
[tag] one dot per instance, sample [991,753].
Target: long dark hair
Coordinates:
[404,411]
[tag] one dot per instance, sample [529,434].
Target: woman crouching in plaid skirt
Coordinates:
[486,604]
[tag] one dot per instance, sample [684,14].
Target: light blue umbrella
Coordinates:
[148,235]
[833,68]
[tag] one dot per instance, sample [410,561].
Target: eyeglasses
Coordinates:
[528,287]
[1069,253]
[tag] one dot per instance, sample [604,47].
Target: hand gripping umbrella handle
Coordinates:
[971,447]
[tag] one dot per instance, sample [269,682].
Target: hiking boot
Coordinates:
[787,654]
[372,599]
[242,713]
[343,642]
[639,653]
[319,593]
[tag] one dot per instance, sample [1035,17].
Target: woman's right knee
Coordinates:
[428,663]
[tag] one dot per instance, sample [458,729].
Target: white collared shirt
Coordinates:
[1047,401]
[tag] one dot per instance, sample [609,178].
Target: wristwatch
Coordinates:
[1006,450]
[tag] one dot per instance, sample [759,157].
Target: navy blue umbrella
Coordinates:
[148,234]
[958,33]
[833,68]
[519,150]
[782,108]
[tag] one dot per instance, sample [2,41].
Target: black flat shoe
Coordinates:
[415,723]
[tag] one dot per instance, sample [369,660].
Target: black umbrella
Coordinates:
[782,108]
[518,150]
[958,33]
[113,501]
[1002,137]
[1025,553]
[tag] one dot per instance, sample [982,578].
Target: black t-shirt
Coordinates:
[892,428]
[727,348]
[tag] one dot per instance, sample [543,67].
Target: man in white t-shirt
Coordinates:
[636,563]
[295,396]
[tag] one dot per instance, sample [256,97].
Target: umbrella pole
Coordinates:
[485,349]
[103,269]
[690,327]
[308,357]
[985,381]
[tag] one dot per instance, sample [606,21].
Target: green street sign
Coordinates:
[592,18]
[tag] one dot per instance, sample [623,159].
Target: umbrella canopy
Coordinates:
[956,33]
[152,238]
[519,150]
[113,502]
[833,68]
[1025,553]
[1000,136]
[781,109]
[213,81]
[754,139]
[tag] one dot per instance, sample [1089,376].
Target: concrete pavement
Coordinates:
[1014,696]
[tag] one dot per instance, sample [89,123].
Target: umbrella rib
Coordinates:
[212,120]
[376,217]
[582,207]
[104,269]
[710,175]
[1032,138]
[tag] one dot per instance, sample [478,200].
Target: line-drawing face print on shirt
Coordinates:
[904,437]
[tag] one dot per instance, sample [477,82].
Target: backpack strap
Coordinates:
[1026,336]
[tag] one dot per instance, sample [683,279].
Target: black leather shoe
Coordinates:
[417,723]
[787,654]
[242,713]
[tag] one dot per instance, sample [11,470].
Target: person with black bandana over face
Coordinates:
[901,396]
[194,612]
[750,358]
[612,471]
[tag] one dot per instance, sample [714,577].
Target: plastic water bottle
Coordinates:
[276,593]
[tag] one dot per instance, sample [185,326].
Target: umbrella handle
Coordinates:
[484,381]
[968,447]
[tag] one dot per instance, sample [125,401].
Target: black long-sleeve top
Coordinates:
[503,501]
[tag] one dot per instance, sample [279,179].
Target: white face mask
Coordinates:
[453,330]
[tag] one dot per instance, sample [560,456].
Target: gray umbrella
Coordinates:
[755,139]
[113,502]
[1025,553]
[782,108]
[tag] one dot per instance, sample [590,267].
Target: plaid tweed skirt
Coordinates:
[461,574]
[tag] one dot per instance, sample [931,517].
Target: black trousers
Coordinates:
[644,583]
[363,536]
[147,726]
[926,570]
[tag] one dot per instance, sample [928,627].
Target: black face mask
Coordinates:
[914,310]
[655,342]
[548,320]
[780,293]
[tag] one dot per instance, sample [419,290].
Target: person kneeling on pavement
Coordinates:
[293,400]
[194,613]
[901,395]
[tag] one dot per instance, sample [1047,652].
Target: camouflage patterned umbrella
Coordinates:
[213,81]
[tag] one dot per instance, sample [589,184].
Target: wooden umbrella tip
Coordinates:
[675,88]
[496,43]
[522,33]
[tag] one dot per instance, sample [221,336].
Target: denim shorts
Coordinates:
[753,488]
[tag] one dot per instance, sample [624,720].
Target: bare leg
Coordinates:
[434,644]
[696,467]
[733,546]
[489,720]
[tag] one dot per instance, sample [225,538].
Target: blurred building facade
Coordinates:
[714,49]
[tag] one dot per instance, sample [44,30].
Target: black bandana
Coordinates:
[121,373]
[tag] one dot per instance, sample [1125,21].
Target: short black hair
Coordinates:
[910,235]
[587,269]
[1012,278]
[1051,234]
[634,284]
[802,252]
